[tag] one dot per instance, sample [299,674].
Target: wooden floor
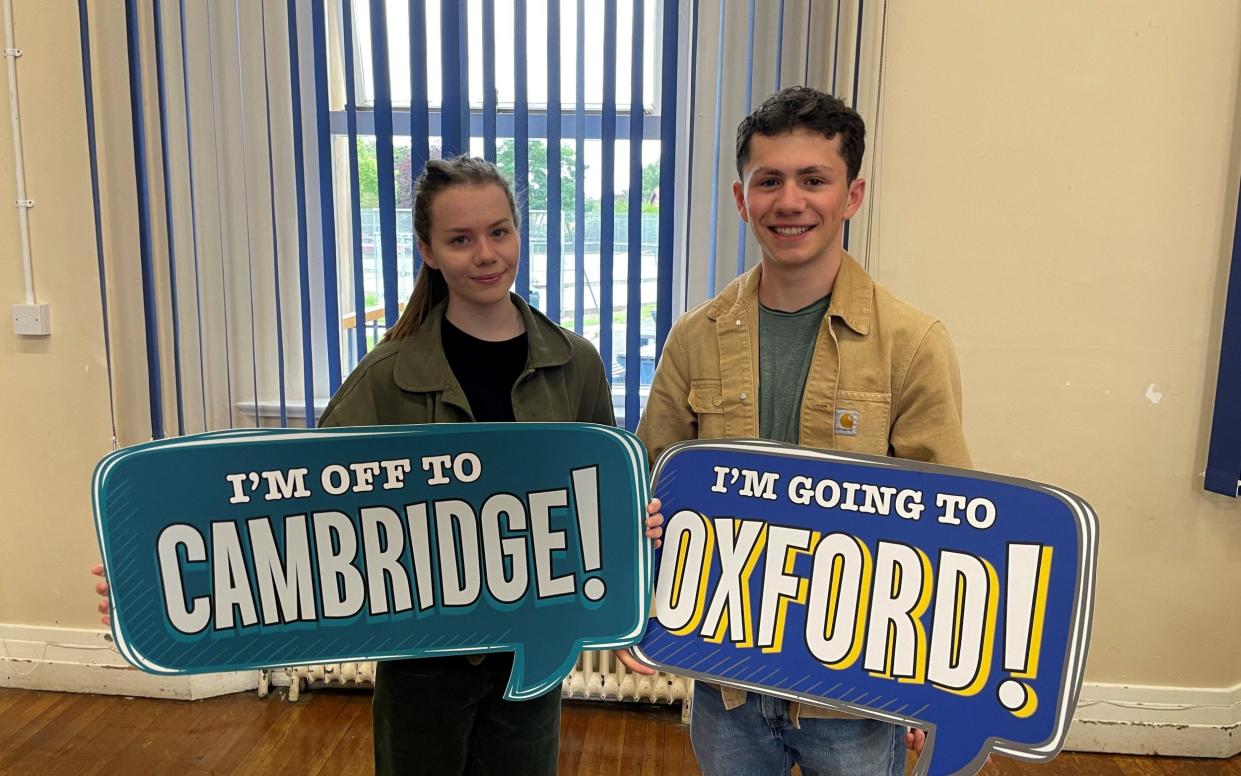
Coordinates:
[328,732]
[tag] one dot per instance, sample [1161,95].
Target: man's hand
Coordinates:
[915,739]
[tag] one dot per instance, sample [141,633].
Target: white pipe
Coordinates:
[11,53]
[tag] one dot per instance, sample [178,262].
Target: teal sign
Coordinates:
[244,549]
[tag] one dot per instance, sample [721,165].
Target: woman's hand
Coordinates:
[654,527]
[105,606]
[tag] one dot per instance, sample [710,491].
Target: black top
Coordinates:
[486,371]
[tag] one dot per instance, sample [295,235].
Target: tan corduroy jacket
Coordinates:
[883,380]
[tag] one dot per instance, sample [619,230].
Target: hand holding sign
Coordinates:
[247,549]
[935,597]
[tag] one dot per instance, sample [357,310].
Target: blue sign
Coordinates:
[940,598]
[245,549]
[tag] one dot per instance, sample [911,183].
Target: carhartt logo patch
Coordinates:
[847,422]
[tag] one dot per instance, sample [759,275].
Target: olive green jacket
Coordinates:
[883,380]
[409,380]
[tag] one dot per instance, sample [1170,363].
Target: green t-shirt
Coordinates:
[785,349]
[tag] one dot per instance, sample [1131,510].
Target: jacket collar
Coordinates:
[422,366]
[852,295]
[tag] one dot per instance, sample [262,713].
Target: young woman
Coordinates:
[466,349]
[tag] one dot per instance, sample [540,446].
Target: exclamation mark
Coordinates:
[586,498]
[1029,567]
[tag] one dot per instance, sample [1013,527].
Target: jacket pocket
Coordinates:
[706,399]
[860,421]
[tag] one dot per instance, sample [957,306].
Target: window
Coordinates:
[565,98]
[269,188]
[503,18]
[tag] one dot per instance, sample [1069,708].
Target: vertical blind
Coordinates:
[273,149]
[742,51]
[274,146]
[477,123]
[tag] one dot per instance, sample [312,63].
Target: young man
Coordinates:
[804,348]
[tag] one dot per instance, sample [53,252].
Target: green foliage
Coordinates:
[650,186]
[368,175]
[536,190]
[403,160]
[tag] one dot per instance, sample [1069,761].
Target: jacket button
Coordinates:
[743,396]
[738,321]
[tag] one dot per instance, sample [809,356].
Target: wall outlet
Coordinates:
[32,320]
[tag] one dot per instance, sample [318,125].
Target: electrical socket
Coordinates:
[32,320]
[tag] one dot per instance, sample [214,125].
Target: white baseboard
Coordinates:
[1176,721]
[83,660]
[1120,719]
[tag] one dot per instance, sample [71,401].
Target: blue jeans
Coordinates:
[759,739]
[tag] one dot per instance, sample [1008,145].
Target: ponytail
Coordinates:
[429,290]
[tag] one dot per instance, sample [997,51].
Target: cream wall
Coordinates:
[55,389]
[1058,182]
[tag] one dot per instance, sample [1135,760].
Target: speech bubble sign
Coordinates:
[247,549]
[940,598]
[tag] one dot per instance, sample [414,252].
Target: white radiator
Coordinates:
[598,675]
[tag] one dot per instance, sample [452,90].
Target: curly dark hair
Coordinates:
[800,107]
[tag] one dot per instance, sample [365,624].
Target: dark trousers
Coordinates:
[446,716]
